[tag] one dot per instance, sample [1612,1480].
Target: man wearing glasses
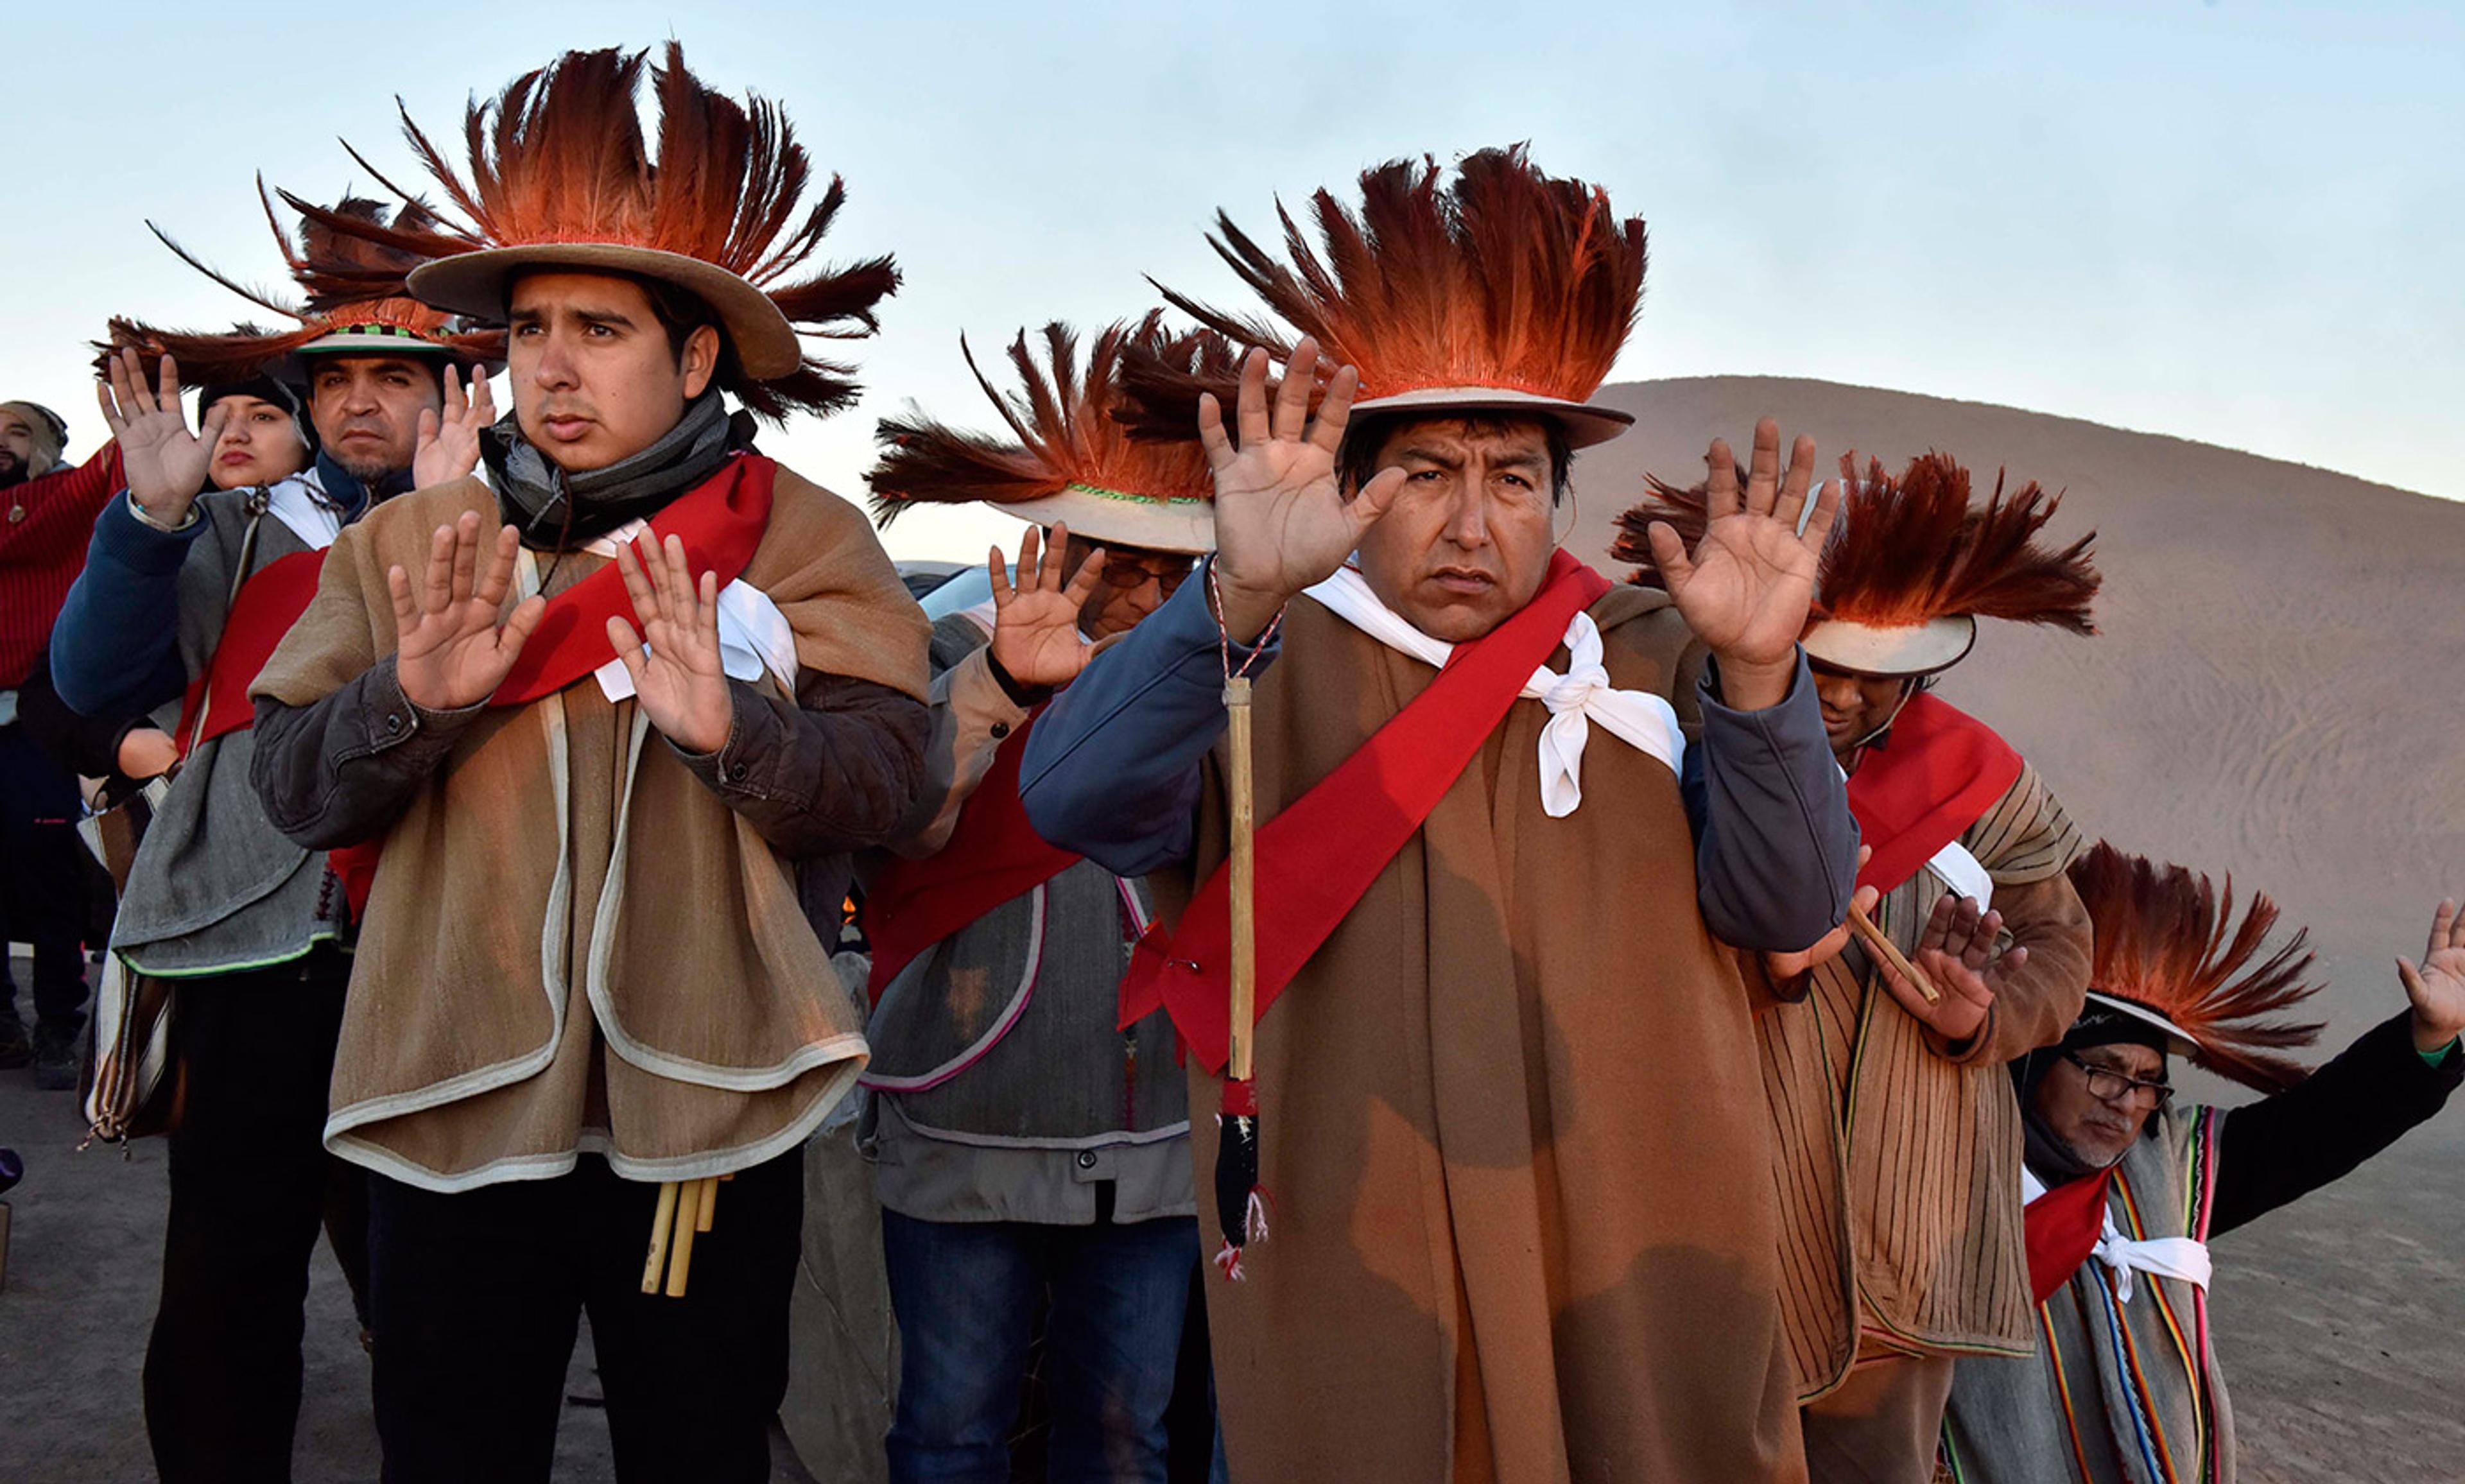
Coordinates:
[1898,1138]
[1026,1143]
[2125,1190]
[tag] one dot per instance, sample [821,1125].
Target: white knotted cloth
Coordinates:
[1576,699]
[2166,1257]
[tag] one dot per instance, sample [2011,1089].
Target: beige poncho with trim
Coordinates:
[572,943]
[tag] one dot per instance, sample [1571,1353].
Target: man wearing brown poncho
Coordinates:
[1898,1138]
[584,972]
[1508,1118]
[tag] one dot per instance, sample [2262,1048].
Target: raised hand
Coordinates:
[1957,952]
[1747,586]
[678,678]
[2436,985]
[449,447]
[163,462]
[451,652]
[1035,628]
[1281,521]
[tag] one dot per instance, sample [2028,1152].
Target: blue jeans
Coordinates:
[965,1295]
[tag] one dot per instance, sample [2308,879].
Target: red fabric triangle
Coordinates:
[1317,856]
[720,521]
[2062,1227]
[992,856]
[1943,770]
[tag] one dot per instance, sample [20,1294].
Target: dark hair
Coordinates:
[680,311]
[1356,462]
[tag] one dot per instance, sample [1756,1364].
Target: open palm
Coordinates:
[1035,625]
[1746,588]
[1283,523]
[2436,985]
[679,677]
[451,651]
[163,462]
[448,446]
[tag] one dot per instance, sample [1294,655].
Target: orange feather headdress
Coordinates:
[1502,291]
[1911,565]
[360,323]
[561,177]
[1068,458]
[2165,956]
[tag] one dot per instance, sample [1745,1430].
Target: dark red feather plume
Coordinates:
[558,156]
[346,278]
[1913,549]
[2165,940]
[1503,277]
[1062,428]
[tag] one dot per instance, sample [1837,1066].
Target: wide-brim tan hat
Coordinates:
[1182,525]
[1585,423]
[477,284]
[2183,1043]
[1914,650]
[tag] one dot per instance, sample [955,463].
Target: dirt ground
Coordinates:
[84,1248]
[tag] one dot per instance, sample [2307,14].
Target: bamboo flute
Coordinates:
[1876,939]
[662,1221]
[688,1216]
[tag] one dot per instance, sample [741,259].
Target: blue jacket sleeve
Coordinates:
[115,648]
[1111,769]
[1775,845]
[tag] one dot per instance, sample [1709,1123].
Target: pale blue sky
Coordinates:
[2238,223]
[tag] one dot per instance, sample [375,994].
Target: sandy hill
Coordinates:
[2278,691]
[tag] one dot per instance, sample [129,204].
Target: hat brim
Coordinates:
[1584,423]
[358,342]
[1182,525]
[477,284]
[2185,1044]
[1920,649]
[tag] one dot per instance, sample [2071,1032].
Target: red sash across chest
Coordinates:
[1943,770]
[721,522]
[1315,860]
[993,856]
[1321,855]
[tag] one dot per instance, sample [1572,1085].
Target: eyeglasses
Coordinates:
[2106,1085]
[1129,573]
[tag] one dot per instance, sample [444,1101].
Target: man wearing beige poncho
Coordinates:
[584,970]
[1508,1121]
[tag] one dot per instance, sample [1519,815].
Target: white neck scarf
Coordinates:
[1575,699]
[299,502]
[2166,1257]
[1964,873]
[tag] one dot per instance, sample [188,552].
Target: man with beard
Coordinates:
[2126,1189]
[644,675]
[185,593]
[46,516]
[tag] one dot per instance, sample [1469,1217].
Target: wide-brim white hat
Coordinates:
[1585,422]
[1910,650]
